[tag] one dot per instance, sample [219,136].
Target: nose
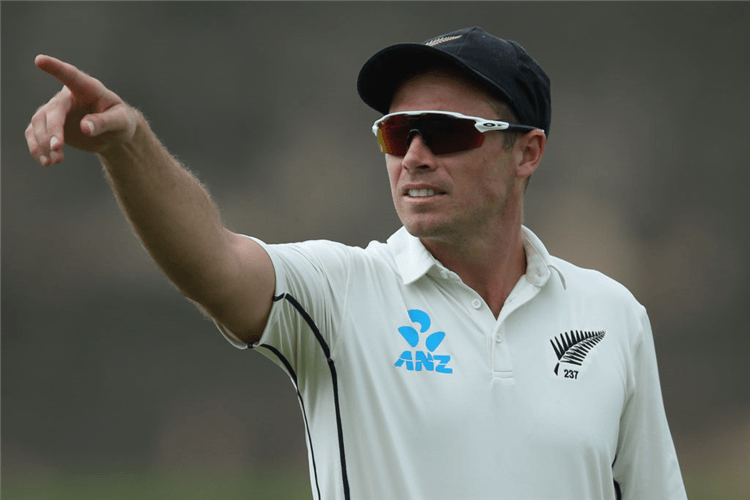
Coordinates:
[418,156]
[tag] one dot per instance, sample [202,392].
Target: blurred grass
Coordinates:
[149,485]
[717,486]
[195,485]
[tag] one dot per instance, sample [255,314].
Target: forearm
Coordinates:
[169,210]
[231,276]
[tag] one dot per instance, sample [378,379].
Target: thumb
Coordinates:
[118,121]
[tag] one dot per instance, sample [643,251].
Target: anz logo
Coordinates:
[418,359]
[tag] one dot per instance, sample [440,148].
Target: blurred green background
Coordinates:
[114,386]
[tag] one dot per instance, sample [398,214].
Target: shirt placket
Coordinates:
[500,352]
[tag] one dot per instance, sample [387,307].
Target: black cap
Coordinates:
[501,66]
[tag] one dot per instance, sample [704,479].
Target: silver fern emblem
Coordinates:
[436,41]
[572,347]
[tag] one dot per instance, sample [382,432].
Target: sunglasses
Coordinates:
[444,132]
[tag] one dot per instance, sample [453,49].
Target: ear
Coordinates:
[528,152]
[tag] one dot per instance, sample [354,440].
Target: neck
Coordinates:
[491,267]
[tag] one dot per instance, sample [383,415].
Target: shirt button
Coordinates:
[499,339]
[444,274]
[476,303]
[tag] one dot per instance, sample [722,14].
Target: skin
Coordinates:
[229,276]
[472,224]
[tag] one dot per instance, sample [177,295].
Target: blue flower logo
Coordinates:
[418,360]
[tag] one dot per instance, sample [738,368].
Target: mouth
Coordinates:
[422,192]
[419,193]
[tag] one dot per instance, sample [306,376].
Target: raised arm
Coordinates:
[229,275]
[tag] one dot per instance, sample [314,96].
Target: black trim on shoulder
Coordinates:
[334,380]
[311,324]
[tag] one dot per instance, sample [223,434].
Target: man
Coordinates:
[459,360]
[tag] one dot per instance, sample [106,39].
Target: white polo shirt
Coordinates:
[411,389]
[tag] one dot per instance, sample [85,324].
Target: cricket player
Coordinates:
[456,360]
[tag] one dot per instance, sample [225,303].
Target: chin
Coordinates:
[429,224]
[422,229]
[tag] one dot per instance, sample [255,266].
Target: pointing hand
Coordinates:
[84,115]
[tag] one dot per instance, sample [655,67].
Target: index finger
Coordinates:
[76,80]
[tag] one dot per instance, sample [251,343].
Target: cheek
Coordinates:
[489,180]
[394,170]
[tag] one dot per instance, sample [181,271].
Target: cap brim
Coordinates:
[382,74]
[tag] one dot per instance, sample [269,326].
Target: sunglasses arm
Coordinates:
[489,125]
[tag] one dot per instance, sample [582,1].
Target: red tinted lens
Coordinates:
[393,135]
[442,134]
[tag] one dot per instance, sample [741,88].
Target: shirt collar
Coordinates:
[413,260]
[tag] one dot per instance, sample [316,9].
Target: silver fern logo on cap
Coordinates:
[442,39]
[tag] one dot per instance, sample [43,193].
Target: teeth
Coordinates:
[421,192]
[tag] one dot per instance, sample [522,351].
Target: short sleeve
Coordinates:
[311,287]
[646,464]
